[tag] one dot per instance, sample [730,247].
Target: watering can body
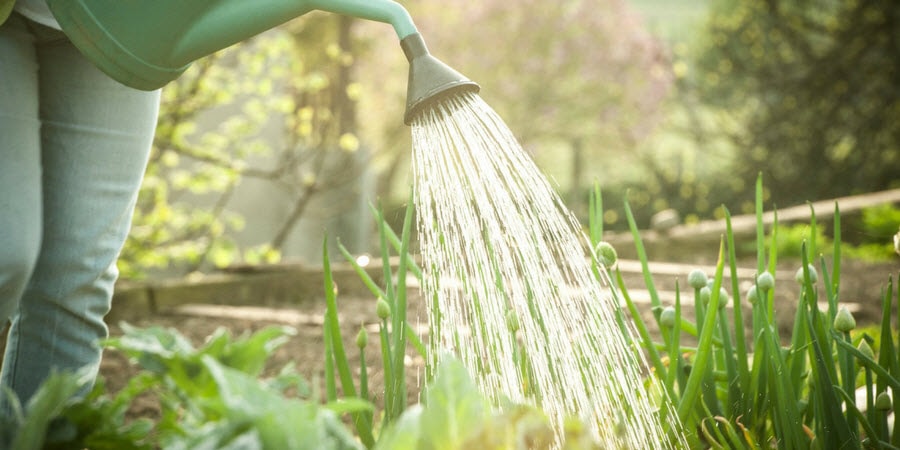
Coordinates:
[147,43]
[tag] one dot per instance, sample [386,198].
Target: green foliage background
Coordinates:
[278,108]
[682,110]
[816,86]
[805,91]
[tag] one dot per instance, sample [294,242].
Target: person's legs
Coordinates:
[20,163]
[95,139]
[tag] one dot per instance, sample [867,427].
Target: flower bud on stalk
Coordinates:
[362,338]
[752,295]
[765,281]
[866,350]
[697,279]
[883,402]
[606,254]
[382,309]
[813,275]
[844,321]
[723,298]
[667,317]
[705,293]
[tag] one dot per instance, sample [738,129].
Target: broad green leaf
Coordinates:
[45,405]
[455,410]
[280,422]
[249,354]
[404,433]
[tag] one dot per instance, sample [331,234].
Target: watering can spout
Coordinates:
[430,80]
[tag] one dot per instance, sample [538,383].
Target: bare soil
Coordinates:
[305,349]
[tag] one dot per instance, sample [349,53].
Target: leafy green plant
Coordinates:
[791,240]
[757,389]
[211,397]
[454,414]
[215,397]
[881,222]
[395,333]
[873,238]
[878,225]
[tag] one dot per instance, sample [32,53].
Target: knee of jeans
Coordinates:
[82,286]
[17,262]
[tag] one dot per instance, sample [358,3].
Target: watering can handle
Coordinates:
[387,11]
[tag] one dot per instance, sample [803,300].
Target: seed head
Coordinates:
[697,279]
[723,298]
[765,281]
[813,275]
[752,295]
[362,338]
[606,254]
[866,349]
[844,321]
[705,293]
[667,317]
[883,402]
[382,309]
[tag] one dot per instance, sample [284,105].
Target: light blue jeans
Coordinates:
[73,149]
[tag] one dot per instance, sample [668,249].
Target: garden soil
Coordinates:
[863,284]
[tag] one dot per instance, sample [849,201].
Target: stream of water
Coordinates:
[513,293]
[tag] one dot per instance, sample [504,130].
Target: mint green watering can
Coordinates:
[147,43]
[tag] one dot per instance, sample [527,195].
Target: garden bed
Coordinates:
[245,301]
[236,309]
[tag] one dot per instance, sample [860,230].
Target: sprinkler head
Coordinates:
[430,80]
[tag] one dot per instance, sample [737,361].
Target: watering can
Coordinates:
[145,44]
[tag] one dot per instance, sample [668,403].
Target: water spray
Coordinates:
[145,44]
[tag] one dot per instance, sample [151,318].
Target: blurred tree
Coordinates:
[582,77]
[806,91]
[295,81]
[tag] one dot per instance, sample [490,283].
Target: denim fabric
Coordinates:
[73,149]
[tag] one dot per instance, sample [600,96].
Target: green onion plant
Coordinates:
[745,386]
